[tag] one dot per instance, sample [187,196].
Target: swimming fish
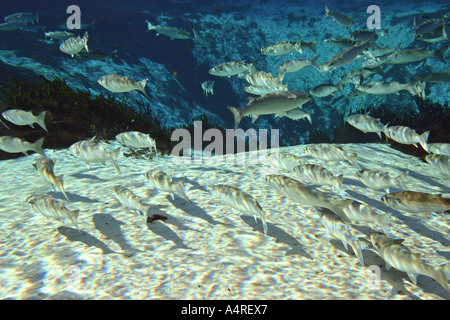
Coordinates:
[127,198]
[241,201]
[117,83]
[58,35]
[277,103]
[401,258]
[22,118]
[348,55]
[319,175]
[264,79]
[74,45]
[282,48]
[417,202]
[366,123]
[45,168]
[92,152]
[164,183]
[341,43]
[330,152]
[232,68]
[15,145]
[136,139]
[52,208]
[297,114]
[298,64]
[340,18]
[416,55]
[441,162]
[363,35]
[208,87]
[324,90]
[379,180]
[172,33]
[337,228]
[406,135]
[23,17]
[261,91]
[415,87]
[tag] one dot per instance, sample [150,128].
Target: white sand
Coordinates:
[204,250]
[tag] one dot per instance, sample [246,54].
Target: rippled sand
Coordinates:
[205,250]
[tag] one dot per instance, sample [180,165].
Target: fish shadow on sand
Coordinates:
[195,185]
[72,197]
[74,235]
[110,228]
[192,210]
[82,175]
[410,222]
[159,228]
[206,169]
[279,234]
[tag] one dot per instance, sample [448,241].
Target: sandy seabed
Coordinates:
[206,250]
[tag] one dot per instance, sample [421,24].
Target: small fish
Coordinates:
[381,181]
[417,202]
[117,83]
[439,148]
[340,18]
[341,43]
[208,87]
[232,68]
[45,167]
[172,33]
[348,55]
[58,35]
[15,145]
[415,87]
[261,91]
[316,174]
[363,35]
[356,77]
[52,208]
[355,211]
[74,45]
[297,114]
[416,55]
[401,258]
[438,77]
[164,183]
[309,45]
[93,152]
[22,118]
[337,228]
[376,62]
[11,26]
[127,198]
[136,139]
[366,123]
[406,135]
[241,201]
[441,162]
[197,37]
[264,79]
[282,48]
[23,17]
[425,27]
[273,103]
[324,90]
[330,152]
[298,64]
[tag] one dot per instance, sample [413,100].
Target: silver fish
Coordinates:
[136,139]
[297,114]
[232,68]
[208,87]
[406,135]
[52,208]
[381,181]
[330,152]
[401,258]
[127,198]
[241,201]
[273,103]
[438,77]
[363,35]
[341,43]
[58,35]
[15,145]
[441,162]
[117,83]
[316,174]
[22,118]
[93,152]
[23,17]
[298,64]
[164,183]
[45,168]
[74,45]
[11,26]
[366,123]
[264,79]
[348,55]
[415,87]
[340,18]
[425,27]
[337,228]
[416,55]
[439,148]
[282,48]
[355,211]
[261,91]
[172,33]
[417,202]
[324,90]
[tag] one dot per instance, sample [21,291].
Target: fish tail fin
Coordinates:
[382,221]
[237,115]
[424,139]
[113,156]
[85,41]
[60,185]
[439,54]
[358,246]
[182,193]
[401,179]
[279,78]
[314,62]
[440,277]
[312,45]
[142,85]
[37,146]
[340,87]
[264,226]
[298,45]
[308,116]
[327,12]
[150,26]
[40,120]
[73,216]
[339,185]
[352,158]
